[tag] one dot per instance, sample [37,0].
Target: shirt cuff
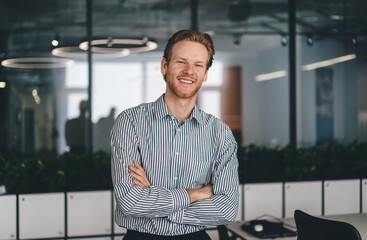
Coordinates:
[181,199]
[177,217]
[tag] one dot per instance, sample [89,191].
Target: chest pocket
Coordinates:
[197,170]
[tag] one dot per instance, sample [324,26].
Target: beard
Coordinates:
[181,91]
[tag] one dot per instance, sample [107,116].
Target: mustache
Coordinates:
[185,76]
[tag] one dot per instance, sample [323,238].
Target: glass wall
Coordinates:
[253,91]
[331,76]
[40,90]
[45,102]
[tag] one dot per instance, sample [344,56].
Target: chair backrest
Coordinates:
[314,228]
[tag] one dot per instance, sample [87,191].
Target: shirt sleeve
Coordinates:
[221,208]
[135,200]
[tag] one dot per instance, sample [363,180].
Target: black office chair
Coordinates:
[314,228]
[223,233]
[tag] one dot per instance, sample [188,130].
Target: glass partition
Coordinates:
[42,88]
[331,76]
[46,89]
[250,79]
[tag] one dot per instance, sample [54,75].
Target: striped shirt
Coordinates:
[175,157]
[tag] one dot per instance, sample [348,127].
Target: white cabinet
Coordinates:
[41,215]
[305,196]
[341,196]
[8,219]
[263,198]
[89,213]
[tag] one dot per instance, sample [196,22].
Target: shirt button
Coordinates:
[156,215]
[174,224]
[173,117]
[177,153]
[178,129]
[175,178]
[179,209]
[198,221]
[174,218]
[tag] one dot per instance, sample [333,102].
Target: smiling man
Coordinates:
[174,167]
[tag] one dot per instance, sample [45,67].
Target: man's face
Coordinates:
[186,70]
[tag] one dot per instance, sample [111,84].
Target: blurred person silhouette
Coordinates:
[75,130]
[101,132]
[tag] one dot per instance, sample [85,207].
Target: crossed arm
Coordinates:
[139,177]
[136,197]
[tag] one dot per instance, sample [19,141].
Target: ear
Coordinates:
[164,66]
[206,75]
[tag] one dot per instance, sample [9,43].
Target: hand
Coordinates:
[200,193]
[138,174]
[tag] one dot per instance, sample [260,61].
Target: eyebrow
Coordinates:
[181,58]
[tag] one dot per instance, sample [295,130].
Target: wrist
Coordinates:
[192,194]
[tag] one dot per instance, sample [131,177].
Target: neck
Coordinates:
[180,107]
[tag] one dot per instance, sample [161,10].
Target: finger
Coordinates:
[137,182]
[140,178]
[140,168]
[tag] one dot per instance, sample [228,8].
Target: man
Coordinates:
[174,167]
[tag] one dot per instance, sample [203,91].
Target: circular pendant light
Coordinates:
[76,52]
[34,62]
[106,45]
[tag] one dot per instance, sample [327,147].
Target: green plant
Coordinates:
[66,172]
[331,160]
[92,171]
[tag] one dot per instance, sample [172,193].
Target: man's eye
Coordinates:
[198,65]
[180,62]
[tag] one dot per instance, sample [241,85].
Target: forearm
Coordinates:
[153,201]
[200,193]
[222,207]
[217,210]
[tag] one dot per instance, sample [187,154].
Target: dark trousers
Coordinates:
[133,235]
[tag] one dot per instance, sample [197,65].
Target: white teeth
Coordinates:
[185,81]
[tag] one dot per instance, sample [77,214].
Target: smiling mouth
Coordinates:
[186,81]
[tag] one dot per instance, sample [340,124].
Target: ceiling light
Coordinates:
[36,97]
[56,40]
[37,62]
[272,75]
[284,41]
[211,32]
[76,52]
[138,45]
[354,40]
[237,40]
[55,43]
[309,41]
[2,84]
[336,17]
[328,62]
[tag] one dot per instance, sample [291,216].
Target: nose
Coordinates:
[189,69]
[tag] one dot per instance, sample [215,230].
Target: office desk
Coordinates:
[359,221]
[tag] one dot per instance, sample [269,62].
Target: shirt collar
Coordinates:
[161,110]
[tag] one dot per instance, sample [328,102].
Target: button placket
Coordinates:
[176,153]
